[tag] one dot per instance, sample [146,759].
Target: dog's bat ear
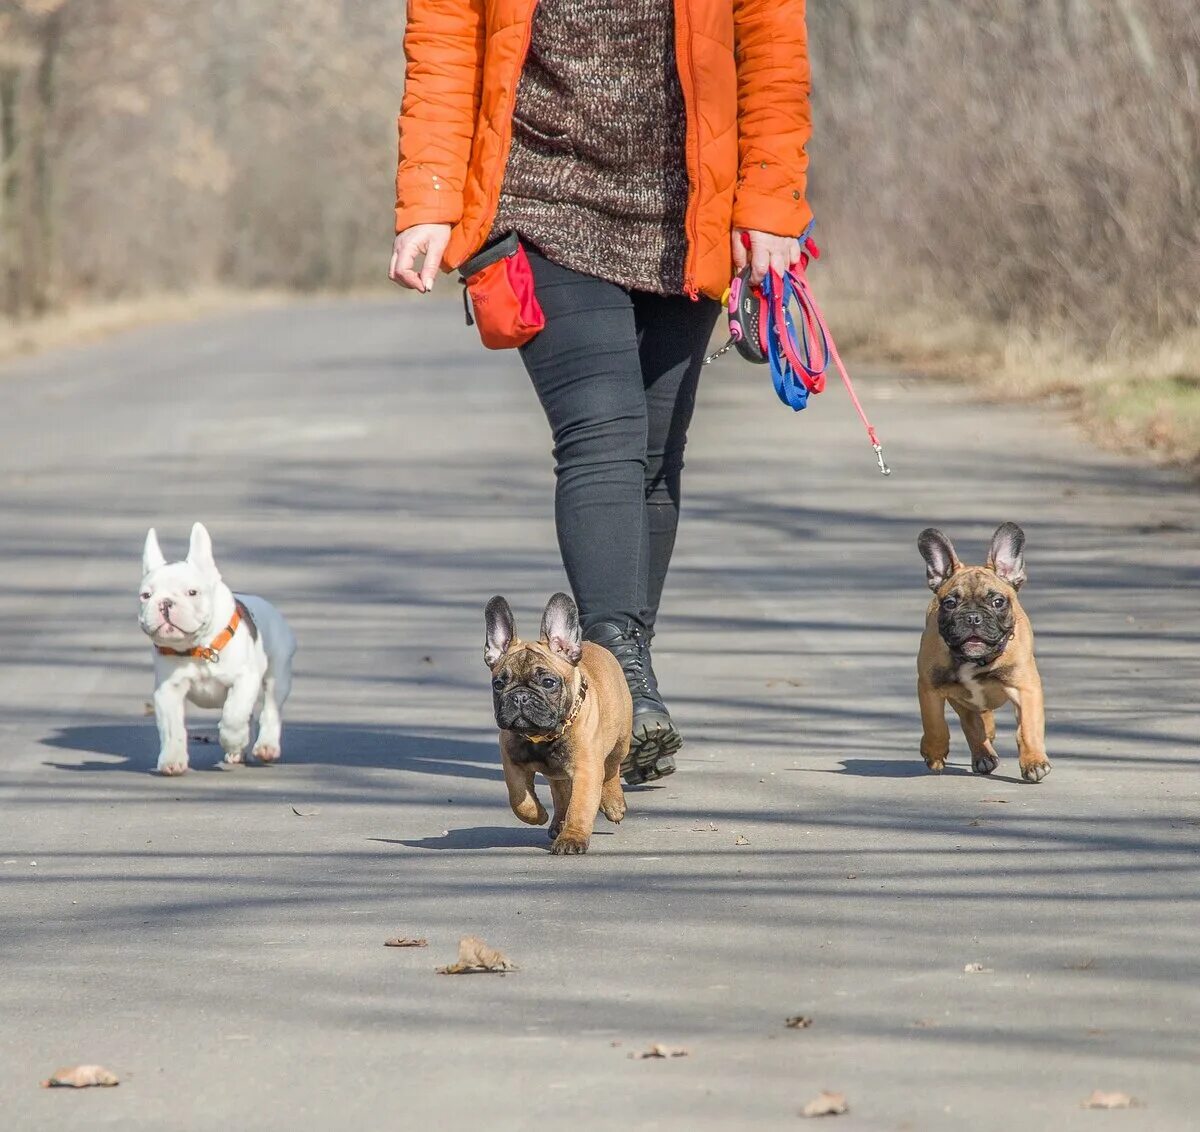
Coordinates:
[498,630]
[1007,555]
[560,628]
[940,560]
[200,551]
[152,556]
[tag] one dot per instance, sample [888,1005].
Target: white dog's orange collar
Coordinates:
[212,650]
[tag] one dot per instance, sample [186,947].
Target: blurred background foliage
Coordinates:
[1031,162]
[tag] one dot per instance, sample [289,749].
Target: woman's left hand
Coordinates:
[767,253]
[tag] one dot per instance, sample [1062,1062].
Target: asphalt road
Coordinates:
[368,468]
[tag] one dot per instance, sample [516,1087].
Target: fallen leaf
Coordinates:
[976,969]
[147,708]
[1081,964]
[852,876]
[305,813]
[826,1104]
[658,1051]
[1100,1099]
[80,1077]
[405,941]
[797,1022]
[474,956]
[740,840]
[994,801]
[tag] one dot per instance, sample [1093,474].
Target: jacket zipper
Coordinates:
[687,78]
[494,202]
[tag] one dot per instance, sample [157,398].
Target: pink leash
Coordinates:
[817,329]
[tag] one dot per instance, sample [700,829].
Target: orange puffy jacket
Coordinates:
[743,66]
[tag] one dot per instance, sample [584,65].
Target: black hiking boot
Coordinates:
[655,738]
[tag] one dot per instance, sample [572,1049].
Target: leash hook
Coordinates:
[879,456]
[717,353]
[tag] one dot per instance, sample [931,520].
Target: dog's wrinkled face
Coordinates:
[177,597]
[976,604]
[533,685]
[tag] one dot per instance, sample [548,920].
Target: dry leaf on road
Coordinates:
[993,801]
[1081,964]
[976,969]
[740,840]
[658,1051]
[80,1077]
[305,813]
[405,941]
[826,1104]
[797,1022]
[1101,1099]
[475,957]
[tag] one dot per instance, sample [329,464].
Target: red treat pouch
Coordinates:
[499,284]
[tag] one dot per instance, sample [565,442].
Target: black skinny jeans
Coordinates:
[616,372]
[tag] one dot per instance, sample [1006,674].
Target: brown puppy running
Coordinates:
[977,652]
[564,710]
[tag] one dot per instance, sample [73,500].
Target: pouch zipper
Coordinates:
[684,63]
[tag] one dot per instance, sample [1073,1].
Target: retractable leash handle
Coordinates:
[763,329]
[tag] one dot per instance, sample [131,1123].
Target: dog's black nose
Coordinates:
[975,619]
[521,698]
[166,603]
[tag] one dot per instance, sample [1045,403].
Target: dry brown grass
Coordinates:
[1143,401]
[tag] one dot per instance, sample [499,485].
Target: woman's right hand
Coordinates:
[429,240]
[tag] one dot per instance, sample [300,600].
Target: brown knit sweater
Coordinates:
[597,176]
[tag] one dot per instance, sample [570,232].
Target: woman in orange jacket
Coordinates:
[635,149]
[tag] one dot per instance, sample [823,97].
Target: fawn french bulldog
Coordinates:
[977,653]
[564,710]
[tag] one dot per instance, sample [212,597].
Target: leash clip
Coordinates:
[208,654]
[717,353]
[879,456]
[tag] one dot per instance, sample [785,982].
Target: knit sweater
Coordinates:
[597,177]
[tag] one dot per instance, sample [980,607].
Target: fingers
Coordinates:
[760,258]
[427,240]
[739,250]
[403,257]
[435,248]
[767,253]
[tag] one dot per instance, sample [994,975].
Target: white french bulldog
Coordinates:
[215,648]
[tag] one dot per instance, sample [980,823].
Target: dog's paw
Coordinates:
[936,766]
[566,843]
[171,769]
[234,758]
[531,816]
[234,740]
[613,809]
[1035,769]
[985,764]
[265,753]
[554,830]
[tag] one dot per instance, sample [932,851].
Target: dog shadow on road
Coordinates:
[484,837]
[908,768]
[133,748]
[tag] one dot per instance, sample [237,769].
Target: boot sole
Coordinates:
[651,755]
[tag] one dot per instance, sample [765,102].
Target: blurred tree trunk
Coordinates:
[33,37]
